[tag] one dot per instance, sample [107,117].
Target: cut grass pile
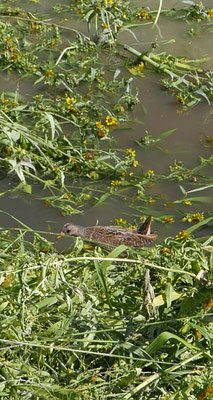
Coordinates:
[94,325]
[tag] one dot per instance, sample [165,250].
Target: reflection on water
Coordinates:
[158,111]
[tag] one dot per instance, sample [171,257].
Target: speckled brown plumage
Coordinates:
[114,235]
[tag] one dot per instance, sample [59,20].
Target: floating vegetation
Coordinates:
[190,84]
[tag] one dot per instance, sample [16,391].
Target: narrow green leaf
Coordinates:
[165,134]
[102,198]
[102,281]
[163,338]
[49,301]
[199,224]
[168,293]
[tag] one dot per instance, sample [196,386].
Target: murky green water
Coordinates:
[157,112]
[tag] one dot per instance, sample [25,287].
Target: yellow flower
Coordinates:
[180,99]
[103,132]
[94,378]
[210,13]
[99,125]
[169,220]
[104,25]
[70,101]
[197,217]
[150,173]
[49,73]
[131,152]
[140,66]
[37,96]
[109,2]
[183,234]
[150,201]
[14,57]
[143,14]
[111,121]
[135,163]
[166,250]
[120,221]
[115,183]
[187,202]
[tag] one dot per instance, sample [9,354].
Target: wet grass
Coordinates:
[86,323]
[90,324]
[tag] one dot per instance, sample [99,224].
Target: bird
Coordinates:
[114,235]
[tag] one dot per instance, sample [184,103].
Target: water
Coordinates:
[158,110]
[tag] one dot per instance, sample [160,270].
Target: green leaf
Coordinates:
[49,301]
[168,293]
[27,189]
[163,338]
[113,254]
[102,281]
[165,134]
[199,224]
[52,123]
[102,198]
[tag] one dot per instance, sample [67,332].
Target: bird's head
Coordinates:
[70,229]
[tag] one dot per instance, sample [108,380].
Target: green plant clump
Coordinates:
[91,324]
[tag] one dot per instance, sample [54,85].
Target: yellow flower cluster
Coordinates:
[166,250]
[99,125]
[187,202]
[197,217]
[135,163]
[140,66]
[14,57]
[115,183]
[6,103]
[180,99]
[168,220]
[49,73]
[183,234]
[111,121]
[102,130]
[143,14]
[120,221]
[70,101]
[131,152]
[210,13]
